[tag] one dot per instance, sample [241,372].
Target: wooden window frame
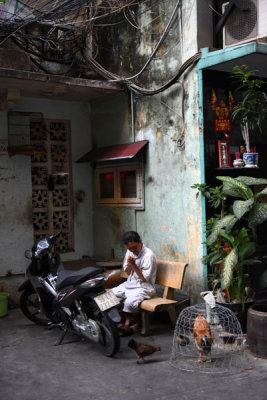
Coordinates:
[117,200]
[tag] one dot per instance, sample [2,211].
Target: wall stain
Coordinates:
[150,179]
[158,135]
[8,178]
[80,196]
[170,252]
[27,214]
[114,221]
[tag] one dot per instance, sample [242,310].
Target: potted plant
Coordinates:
[251,111]
[231,237]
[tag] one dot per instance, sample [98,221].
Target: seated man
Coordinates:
[140,265]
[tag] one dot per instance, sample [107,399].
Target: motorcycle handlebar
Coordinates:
[52,238]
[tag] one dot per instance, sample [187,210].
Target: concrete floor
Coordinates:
[32,368]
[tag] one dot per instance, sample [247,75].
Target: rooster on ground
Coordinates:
[142,349]
[203,337]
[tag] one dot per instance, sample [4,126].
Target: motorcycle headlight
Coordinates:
[41,245]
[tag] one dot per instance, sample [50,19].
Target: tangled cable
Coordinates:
[58,31]
[109,75]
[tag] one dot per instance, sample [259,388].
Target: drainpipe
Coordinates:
[133,140]
[132,115]
[202,166]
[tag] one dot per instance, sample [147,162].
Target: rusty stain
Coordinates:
[158,135]
[142,120]
[159,160]
[166,227]
[170,252]
[160,52]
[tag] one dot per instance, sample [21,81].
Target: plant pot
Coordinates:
[238,163]
[251,160]
[257,330]
[240,310]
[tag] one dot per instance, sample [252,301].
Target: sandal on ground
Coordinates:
[130,330]
[135,327]
[126,333]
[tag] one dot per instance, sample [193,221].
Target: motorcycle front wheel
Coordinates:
[109,341]
[110,337]
[30,306]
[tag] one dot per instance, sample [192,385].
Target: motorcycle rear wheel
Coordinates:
[30,306]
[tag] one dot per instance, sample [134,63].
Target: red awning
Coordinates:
[118,152]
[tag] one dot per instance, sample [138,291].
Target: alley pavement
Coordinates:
[32,368]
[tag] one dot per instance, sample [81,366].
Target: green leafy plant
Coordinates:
[234,274]
[231,235]
[251,111]
[245,205]
[215,196]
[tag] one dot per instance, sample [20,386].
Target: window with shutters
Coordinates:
[119,185]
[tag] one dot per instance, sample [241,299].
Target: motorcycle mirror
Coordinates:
[28,254]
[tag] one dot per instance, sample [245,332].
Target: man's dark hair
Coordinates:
[131,236]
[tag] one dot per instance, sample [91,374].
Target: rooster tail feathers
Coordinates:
[206,344]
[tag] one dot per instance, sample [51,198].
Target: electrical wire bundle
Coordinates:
[64,31]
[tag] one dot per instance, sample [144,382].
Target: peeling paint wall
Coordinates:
[170,223]
[16,230]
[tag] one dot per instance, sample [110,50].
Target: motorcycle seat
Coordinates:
[68,277]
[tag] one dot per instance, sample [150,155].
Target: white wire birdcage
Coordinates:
[228,342]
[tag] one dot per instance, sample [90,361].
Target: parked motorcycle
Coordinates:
[75,301]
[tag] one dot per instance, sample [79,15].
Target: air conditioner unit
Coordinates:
[245,26]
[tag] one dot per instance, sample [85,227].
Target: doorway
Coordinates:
[52,200]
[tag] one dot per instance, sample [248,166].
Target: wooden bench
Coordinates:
[170,275]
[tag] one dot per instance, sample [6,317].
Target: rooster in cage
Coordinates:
[203,337]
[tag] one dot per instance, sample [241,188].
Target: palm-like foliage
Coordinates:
[252,109]
[255,212]
[231,241]
[233,276]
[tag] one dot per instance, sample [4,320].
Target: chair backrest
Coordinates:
[169,273]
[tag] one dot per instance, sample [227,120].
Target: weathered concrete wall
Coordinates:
[15,212]
[111,124]
[16,230]
[171,222]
